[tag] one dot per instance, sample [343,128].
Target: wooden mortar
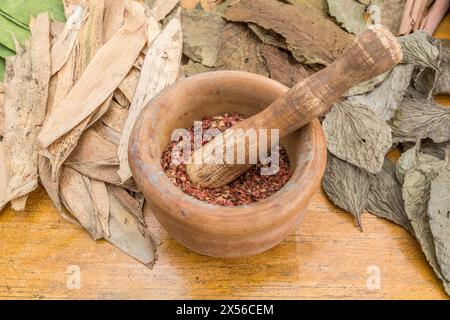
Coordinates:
[210,229]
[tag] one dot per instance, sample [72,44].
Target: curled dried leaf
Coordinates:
[420,118]
[356,135]
[350,14]
[420,49]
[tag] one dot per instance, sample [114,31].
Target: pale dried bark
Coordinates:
[3,177]
[300,25]
[115,117]
[160,69]
[26,85]
[2,109]
[161,8]
[113,18]
[128,85]
[99,80]
[66,39]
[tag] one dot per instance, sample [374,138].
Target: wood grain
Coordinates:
[325,258]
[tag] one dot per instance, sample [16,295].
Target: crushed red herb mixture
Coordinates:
[251,187]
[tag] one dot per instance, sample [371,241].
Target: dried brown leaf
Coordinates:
[356,135]
[26,85]
[310,36]
[128,85]
[115,117]
[282,67]
[268,36]
[350,14]
[202,35]
[347,186]
[241,50]
[161,68]
[101,201]
[390,13]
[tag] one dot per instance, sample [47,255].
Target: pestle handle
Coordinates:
[374,52]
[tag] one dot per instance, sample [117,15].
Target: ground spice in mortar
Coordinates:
[251,187]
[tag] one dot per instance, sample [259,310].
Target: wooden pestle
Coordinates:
[374,52]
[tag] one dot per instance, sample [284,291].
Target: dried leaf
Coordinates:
[350,14]
[129,83]
[420,49]
[26,88]
[347,186]
[161,8]
[160,69]
[367,86]
[310,36]
[429,147]
[419,118]
[439,213]
[268,36]
[9,32]
[90,41]
[412,158]
[101,201]
[128,202]
[416,194]
[241,50]
[385,197]
[356,135]
[113,19]
[99,80]
[320,5]
[115,117]
[386,98]
[2,109]
[282,67]
[202,35]
[430,81]
[23,10]
[65,41]
[192,68]
[77,198]
[129,235]
[3,177]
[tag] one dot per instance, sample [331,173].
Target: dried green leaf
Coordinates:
[439,213]
[5,51]
[347,186]
[420,49]
[202,35]
[23,10]
[416,194]
[310,36]
[10,31]
[386,98]
[356,135]
[419,118]
[430,81]
[412,158]
[350,14]
[241,50]
[385,197]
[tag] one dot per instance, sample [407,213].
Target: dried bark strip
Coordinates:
[102,76]
[3,177]
[113,18]
[26,85]
[66,40]
[160,69]
[161,8]
[356,135]
[2,109]
[310,36]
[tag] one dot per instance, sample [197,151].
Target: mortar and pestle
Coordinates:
[248,230]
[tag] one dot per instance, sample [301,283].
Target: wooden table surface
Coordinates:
[327,257]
